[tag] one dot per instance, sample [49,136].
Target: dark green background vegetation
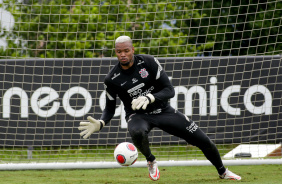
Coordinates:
[87,28]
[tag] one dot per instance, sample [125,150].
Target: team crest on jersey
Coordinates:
[143,73]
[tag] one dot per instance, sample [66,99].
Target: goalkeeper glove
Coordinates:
[142,101]
[90,126]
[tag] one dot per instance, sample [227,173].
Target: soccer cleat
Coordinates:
[229,175]
[154,172]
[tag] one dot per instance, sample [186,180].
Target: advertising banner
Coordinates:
[232,99]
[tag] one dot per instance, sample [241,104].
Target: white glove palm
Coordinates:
[90,126]
[142,101]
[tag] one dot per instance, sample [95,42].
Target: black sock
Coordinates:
[221,170]
[151,158]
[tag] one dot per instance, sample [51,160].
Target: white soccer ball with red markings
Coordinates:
[126,154]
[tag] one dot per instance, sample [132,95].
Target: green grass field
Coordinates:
[254,174]
[101,153]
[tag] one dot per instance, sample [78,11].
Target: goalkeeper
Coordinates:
[144,88]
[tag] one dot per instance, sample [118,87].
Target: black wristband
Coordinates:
[101,125]
[149,99]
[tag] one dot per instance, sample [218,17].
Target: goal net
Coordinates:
[223,59]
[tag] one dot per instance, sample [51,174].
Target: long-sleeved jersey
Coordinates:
[145,76]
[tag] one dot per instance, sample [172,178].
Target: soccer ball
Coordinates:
[126,154]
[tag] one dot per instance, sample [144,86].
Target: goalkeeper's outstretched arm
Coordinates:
[90,126]
[93,125]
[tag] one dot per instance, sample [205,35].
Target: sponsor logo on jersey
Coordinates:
[143,73]
[192,128]
[140,62]
[115,76]
[123,83]
[134,80]
[157,111]
[135,88]
[140,92]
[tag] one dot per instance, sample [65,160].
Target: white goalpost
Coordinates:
[223,59]
[107,165]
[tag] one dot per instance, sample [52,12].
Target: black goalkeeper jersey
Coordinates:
[145,76]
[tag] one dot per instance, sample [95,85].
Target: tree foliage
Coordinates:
[242,27]
[87,28]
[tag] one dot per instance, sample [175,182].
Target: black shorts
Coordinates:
[170,121]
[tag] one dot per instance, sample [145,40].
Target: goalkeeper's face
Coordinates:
[125,53]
